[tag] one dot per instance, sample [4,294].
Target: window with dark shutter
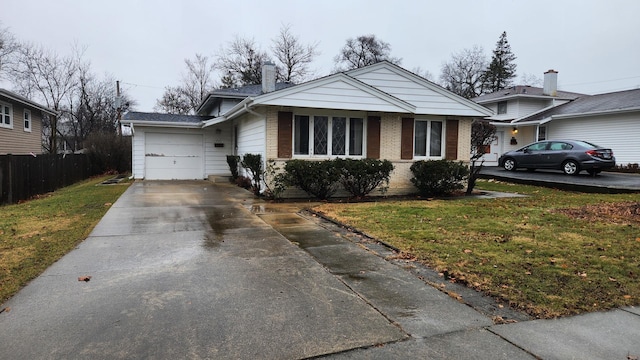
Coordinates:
[373,137]
[285,134]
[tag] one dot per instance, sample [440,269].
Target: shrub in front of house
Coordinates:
[317,178]
[360,177]
[438,177]
[253,164]
[232,161]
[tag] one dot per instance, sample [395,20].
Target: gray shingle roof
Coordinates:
[523,90]
[144,116]
[614,101]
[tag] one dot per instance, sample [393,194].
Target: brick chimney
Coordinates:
[550,83]
[268,77]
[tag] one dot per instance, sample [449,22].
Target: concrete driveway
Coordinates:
[605,182]
[198,270]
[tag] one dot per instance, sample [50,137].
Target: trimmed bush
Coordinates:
[232,161]
[316,178]
[360,177]
[438,177]
[253,164]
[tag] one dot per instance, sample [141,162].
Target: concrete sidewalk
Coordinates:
[200,270]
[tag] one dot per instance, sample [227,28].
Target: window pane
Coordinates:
[435,145]
[421,139]
[301,136]
[542,133]
[356,130]
[320,135]
[338,135]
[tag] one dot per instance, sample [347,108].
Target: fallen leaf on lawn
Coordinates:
[613,279]
[467,251]
[108,204]
[627,296]
[438,219]
[582,274]
[84,278]
[528,251]
[527,273]
[7,309]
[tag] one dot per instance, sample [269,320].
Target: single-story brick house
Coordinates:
[381,111]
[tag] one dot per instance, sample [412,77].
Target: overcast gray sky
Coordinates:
[595,45]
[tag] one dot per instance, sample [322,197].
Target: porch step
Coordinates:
[219,178]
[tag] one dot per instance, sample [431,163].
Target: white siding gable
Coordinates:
[427,97]
[336,92]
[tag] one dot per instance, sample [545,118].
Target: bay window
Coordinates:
[428,138]
[323,135]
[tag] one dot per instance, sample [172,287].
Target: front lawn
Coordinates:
[552,253]
[36,233]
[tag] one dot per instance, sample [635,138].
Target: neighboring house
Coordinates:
[611,120]
[381,111]
[21,124]
[517,102]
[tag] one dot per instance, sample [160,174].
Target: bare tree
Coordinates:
[483,133]
[363,51]
[463,74]
[8,47]
[530,80]
[174,101]
[243,60]
[198,80]
[48,77]
[423,73]
[196,84]
[293,57]
[92,108]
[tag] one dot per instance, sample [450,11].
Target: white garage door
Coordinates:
[173,156]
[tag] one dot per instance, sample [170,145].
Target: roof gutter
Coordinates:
[596,113]
[30,103]
[162,124]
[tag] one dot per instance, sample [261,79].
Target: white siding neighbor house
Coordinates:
[526,114]
[381,111]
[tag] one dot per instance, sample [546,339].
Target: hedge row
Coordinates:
[321,179]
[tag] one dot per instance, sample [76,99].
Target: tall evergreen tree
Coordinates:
[502,68]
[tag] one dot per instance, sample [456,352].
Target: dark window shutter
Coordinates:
[373,137]
[451,146]
[285,134]
[406,139]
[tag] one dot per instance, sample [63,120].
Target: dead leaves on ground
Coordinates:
[616,213]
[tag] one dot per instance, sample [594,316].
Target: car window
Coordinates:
[537,146]
[560,146]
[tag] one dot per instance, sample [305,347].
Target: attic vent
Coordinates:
[524,91]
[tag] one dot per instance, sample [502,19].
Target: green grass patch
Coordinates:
[36,233]
[551,253]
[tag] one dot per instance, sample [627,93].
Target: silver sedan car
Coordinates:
[570,156]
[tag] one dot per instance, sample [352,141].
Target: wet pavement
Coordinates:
[200,270]
[605,182]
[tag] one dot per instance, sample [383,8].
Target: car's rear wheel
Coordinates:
[509,164]
[570,167]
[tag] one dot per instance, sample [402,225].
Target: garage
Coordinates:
[173,156]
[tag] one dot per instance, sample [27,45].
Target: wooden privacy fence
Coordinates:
[24,176]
